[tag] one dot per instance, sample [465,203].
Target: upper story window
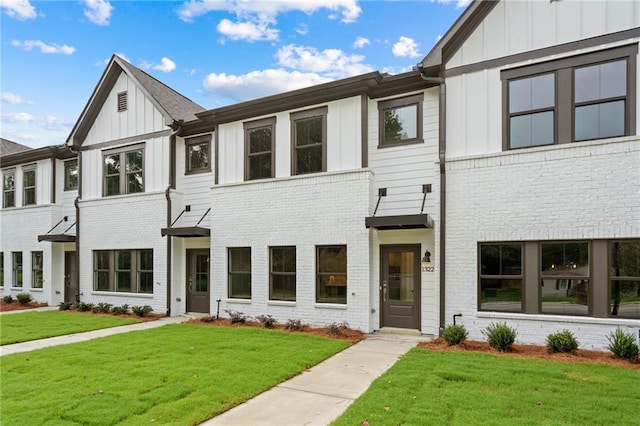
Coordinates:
[309,141]
[124,171]
[9,188]
[198,154]
[400,121]
[70,175]
[579,98]
[259,137]
[28,186]
[122,101]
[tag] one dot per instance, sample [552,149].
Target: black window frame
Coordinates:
[565,105]
[17,269]
[398,103]
[68,167]
[320,274]
[189,143]
[627,278]
[299,116]
[231,273]
[1,269]
[274,274]
[12,190]
[112,269]
[123,173]
[28,170]
[482,276]
[37,269]
[250,127]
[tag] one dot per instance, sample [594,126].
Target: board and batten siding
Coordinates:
[404,169]
[141,116]
[344,137]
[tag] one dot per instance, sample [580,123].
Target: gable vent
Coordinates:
[122,101]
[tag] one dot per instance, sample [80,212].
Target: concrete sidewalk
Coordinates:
[81,337]
[321,394]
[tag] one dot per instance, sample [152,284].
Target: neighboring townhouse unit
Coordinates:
[37,248]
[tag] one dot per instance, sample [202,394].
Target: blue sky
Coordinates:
[215,52]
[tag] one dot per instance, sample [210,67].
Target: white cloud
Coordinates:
[12,98]
[405,47]
[361,42]
[44,47]
[19,9]
[165,65]
[46,122]
[257,30]
[348,10]
[258,84]
[459,3]
[302,29]
[332,63]
[98,11]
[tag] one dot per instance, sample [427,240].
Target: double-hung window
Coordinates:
[198,154]
[70,175]
[124,271]
[400,121]
[282,277]
[1,269]
[309,141]
[17,269]
[124,171]
[259,137]
[331,274]
[579,98]
[239,273]
[37,277]
[624,278]
[9,188]
[29,185]
[500,277]
[564,278]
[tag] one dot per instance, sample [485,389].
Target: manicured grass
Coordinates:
[22,327]
[464,388]
[180,374]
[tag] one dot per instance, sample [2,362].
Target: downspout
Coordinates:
[177,127]
[76,204]
[442,148]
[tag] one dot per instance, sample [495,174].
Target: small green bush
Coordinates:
[562,341]
[83,307]
[141,311]
[267,321]
[294,325]
[623,345]
[455,334]
[102,308]
[23,298]
[7,299]
[120,310]
[64,306]
[336,328]
[500,336]
[236,317]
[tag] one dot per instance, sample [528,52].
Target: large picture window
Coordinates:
[590,96]
[400,121]
[564,278]
[501,277]
[9,189]
[71,175]
[309,139]
[624,279]
[331,275]
[198,154]
[282,277]
[29,186]
[37,277]
[259,147]
[124,171]
[123,271]
[16,279]
[240,273]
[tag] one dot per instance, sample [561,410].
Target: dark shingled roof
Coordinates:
[9,147]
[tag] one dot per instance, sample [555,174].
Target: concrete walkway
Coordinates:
[321,394]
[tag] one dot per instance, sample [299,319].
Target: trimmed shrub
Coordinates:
[23,298]
[236,317]
[83,307]
[7,299]
[455,334]
[500,336]
[64,306]
[294,325]
[120,310]
[562,341]
[101,308]
[267,321]
[336,328]
[141,311]
[623,345]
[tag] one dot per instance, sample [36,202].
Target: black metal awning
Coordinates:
[62,237]
[187,231]
[409,221]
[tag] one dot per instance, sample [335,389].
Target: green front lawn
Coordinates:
[22,327]
[464,388]
[178,374]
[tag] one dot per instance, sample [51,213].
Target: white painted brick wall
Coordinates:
[585,190]
[304,211]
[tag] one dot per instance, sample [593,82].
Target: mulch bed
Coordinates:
[17,306]
[533,351]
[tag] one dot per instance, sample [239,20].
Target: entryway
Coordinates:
[198,281]
[71,288]
[400,286]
